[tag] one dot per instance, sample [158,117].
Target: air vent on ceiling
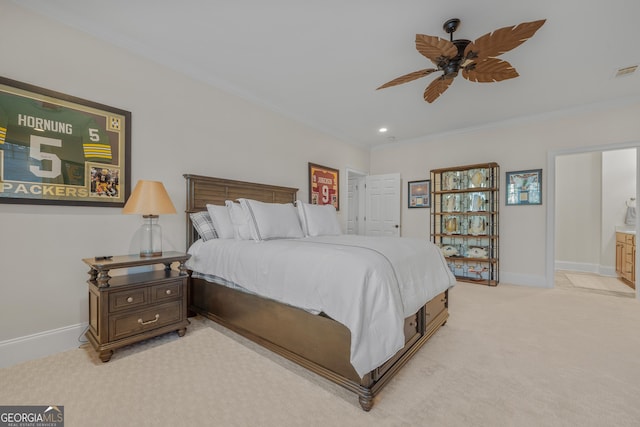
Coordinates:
[625,71]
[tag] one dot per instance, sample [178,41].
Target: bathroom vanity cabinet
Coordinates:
[626,257]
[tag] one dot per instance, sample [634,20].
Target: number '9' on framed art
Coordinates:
[61,150]
[324,186]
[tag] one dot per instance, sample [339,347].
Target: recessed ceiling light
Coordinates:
[382,130]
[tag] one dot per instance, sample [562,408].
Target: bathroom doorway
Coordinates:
[589,190]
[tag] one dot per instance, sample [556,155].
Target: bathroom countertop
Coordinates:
[627,229]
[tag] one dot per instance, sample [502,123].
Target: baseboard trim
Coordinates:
[524,280]
[607,271]
[21,349]
[582,267]
[577,266]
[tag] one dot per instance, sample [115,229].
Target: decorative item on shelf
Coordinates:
[150,199]
[477,252]
[477,225]
[458,268]
[479,270]
[477,202]
[451,203]
[450,251]
[451,180]
[477,178]
[451,224]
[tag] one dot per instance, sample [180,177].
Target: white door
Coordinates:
[383,193]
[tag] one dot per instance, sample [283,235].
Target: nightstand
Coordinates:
[128,308]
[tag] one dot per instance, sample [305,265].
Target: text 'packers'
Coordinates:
[43,190]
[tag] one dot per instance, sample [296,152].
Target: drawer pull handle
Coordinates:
[130,299]
[168,291]
[148,322]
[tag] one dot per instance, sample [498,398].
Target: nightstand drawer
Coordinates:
[166,291]
[123,300]
[124,325]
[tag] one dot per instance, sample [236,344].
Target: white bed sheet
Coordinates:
[369,284]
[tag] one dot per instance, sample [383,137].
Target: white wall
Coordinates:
[619,185]
[578,211]
[179,126]
[516,145]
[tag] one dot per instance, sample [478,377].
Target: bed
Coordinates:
[313,340]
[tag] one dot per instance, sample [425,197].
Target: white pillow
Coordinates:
[241,228]
[272,220]
[318,220]
[221,221]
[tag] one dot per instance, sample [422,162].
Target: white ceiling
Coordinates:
[320,61]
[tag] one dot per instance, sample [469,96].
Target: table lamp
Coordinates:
[150,199]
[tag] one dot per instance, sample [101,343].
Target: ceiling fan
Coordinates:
[477,60]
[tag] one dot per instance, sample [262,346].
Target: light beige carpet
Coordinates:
[509,356]
[601,283]
[202,379]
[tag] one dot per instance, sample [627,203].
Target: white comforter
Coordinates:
[369,284]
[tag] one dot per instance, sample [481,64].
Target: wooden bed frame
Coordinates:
[315,342]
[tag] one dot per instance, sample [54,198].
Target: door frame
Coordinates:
[354,173]
[551,201]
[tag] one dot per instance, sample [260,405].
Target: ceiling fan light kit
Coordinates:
[476,60]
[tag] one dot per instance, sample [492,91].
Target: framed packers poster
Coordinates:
[62,150]
[324,185]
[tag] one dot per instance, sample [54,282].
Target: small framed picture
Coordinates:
[524,187]
[420,194]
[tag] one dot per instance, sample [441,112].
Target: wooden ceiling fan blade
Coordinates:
[408,78]
[435,48]
[490,70]
[436,88]
[502,40]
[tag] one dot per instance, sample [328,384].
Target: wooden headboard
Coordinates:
[203,190]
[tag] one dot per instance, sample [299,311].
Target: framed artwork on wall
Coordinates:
[419,194]
[61,150]
[324,185]
[524,187]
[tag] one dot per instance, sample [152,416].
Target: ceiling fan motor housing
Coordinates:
[452,66]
